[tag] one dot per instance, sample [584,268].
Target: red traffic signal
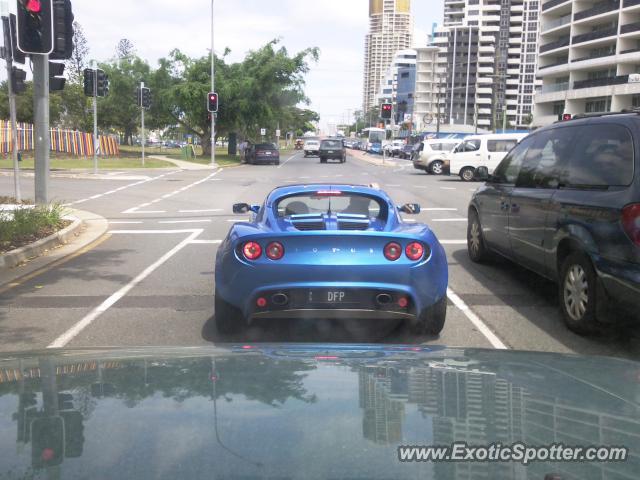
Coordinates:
[212,102]
[33,6]
[386,110]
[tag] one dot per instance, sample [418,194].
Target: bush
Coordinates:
[27,224]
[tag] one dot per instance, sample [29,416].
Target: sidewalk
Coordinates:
[374,159]
[182,164]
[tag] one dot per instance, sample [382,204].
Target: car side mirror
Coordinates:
[240,208]
[482,174]
[410,208]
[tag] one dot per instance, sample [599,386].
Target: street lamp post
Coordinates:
[213,89]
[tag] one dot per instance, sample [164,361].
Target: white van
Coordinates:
[433,155]
[481,150]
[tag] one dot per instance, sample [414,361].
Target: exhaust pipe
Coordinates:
[384,299]
[280,299]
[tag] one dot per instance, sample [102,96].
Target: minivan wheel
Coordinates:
[467,174]
[476,247]
[577,293]
[437,167]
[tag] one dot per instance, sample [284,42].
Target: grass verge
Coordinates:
[26,225]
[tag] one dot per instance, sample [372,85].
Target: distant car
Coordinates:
[394,148]
[375,148]
[330,251]
[565,203]
[433,156]
[311,148]
[332,149]
[487,150]
[171,144]
[407,152]
[263,153]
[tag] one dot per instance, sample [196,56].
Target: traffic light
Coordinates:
[62,30]
[35,26]
[386,110]
[56,80]
[146,98]
[137,98]
[17,80]
[102,79]
[212,103]
[10,41]
[47,442]
[73,433]
[89,82]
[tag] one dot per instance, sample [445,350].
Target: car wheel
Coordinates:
[577,293]
[431,320]
[228,318]
[277,162]
[467,174]
[437,167]
[323,160]
[476,246]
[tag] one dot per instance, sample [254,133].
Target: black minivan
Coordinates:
[565,203]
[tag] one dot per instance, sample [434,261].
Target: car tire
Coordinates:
[467,174]
[577,293]
[323,160]
[436,167]
[228,318]
[476,246]
[431,320]
[277,162]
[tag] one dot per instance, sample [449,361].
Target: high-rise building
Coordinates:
[487,61]
[427,92]
[589,57]
[390,30]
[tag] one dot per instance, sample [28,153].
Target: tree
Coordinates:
[24,104]
[125,49]
[78,62]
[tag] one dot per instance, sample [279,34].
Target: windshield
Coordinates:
[412,178]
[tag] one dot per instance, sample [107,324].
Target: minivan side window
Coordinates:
[509,168]
[603,157]
[544,165]
[501,145]
[468,146]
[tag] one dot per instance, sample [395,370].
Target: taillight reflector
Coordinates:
[392,251]
[275,251]
[631,222]
[252,250]
[414,251]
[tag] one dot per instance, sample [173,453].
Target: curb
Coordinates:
[387,163]
[20,255]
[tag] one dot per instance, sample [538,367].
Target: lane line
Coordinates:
[70,334]
[238,220]
[453,242]
[210,210]
[476,321]
[123,223]
[169,222]
[150,232]
[448,188]
[149,211]
[438,209]
[448,220]
[206,242]
[290,158]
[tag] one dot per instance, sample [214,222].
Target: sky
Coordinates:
[336,27]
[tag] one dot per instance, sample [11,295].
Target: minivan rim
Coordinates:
[467,174]
[576,292]
[436,167]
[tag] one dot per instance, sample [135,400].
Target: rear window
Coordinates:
[265,146]
[331,144]
[501,145]
[320,203]
[603,156]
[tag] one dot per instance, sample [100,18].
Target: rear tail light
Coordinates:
[392,251]
[631,222]
[252,250]
[414,251]
[275,251]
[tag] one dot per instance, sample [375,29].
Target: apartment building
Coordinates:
[390,30]
[487,61]
[589,57]
[425,106]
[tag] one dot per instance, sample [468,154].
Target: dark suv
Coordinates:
[332,149]
[565,203]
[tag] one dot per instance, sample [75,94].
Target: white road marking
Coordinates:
[409,220]
[206,242]
[476,321]
[95,196]
[210,210]
[149,232]
[169,222]
[438,209]
[448,220]
[453,242]
[472,189]
[447,188]
[290,158]
[70,334]
[304,178]
[148,211]
[238,220]
[392,186]
[124,223]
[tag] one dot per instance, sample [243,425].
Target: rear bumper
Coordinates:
[621,282]
[311,152]
[266,159]
[331,156]
[333,314]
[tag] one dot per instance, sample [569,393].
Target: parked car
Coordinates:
[407,151]
[486,150]
[263,153]
[357,145]
[311,148]
[433,156]
[171,144]
[332,149]
[393,149]
[565,203]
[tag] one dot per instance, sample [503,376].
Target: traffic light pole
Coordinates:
[142,118]
[213,89]
[41,126]
[95,120]
[14,131]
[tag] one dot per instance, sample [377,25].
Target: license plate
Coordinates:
[268,153]
[328,296]
[329,151]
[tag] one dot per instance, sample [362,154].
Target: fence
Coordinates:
[62,141]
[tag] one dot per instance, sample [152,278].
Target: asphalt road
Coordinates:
[150,280]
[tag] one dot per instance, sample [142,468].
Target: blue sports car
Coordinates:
[330,251]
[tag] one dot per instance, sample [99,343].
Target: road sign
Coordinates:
[263,131]
[277,133]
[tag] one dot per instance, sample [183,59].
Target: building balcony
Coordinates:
[555,64]
[562,42]
[601,82]
[556,23]
[552,3]
[554,87]
[591,57]
[588,37]
[630,3]
[630,27]
[596,10]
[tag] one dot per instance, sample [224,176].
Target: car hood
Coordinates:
[306,411]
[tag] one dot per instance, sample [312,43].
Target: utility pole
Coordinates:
[213,89]
[41,126]
[8,55]
[142,119]
[95,118]
[438,107]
